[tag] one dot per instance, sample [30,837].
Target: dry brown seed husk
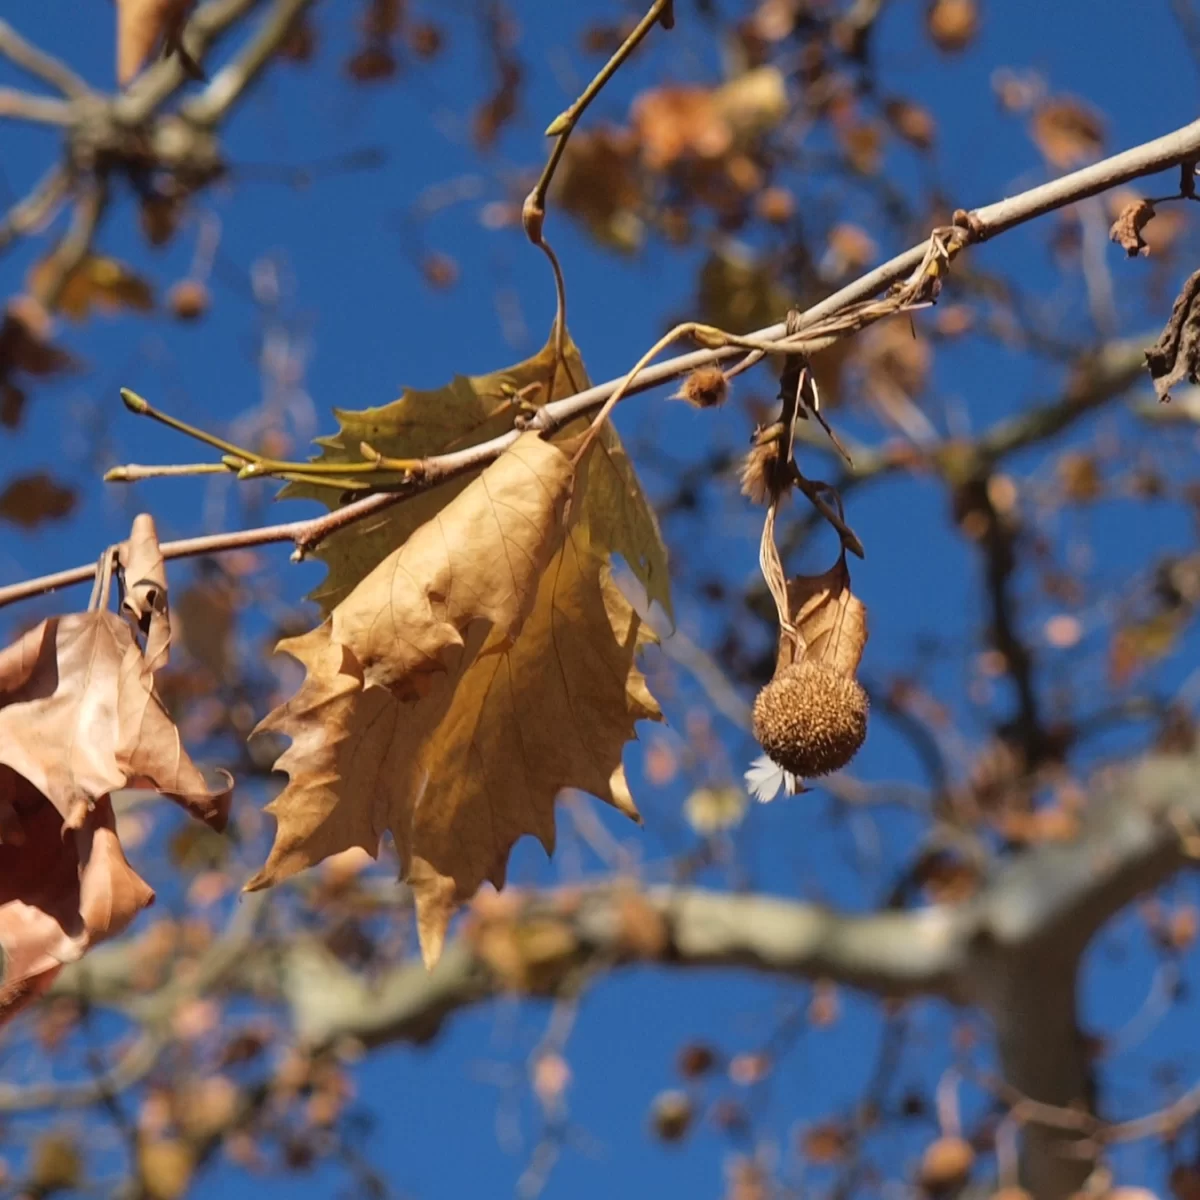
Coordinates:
[810,719]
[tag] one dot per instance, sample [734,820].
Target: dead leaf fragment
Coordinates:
[31,500]
[1176,354]
[97,282]
[1127,229]
[1067,132]
[830,619]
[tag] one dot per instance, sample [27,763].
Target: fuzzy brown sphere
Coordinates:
[811,720]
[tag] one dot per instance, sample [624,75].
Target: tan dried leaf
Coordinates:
[79,719]
[480,669]
[830,618]
[1127,229]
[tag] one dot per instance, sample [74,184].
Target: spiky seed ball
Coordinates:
[810,719]
[705,387]
[946,1165]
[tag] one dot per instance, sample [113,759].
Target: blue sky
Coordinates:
[374,326]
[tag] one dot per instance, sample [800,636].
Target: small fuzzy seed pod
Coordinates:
[810,719]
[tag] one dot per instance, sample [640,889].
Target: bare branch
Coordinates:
[42,110]
[166,77]
[1182,146]
[240,73]
[37,62]
[37,207]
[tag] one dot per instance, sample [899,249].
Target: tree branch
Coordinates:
[1182,146]
[240,73]
[40,64]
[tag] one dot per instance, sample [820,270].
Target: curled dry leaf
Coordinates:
[478,670]
[1127,229]
[1176,354]
[78,720]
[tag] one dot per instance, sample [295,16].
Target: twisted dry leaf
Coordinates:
[468,410]
[1176,355]
[830,620]
[1127,229]
[482,667]
[79,719]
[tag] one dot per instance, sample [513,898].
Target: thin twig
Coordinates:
[16,105]
[37,62]
[240,73]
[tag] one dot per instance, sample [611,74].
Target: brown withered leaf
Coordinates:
[1067,132]
[78,720]
[1176,354]
[913,122]
[62,889]
[468,410]
[141,26]
[830,618]
[25,340]
[97,282]
[1127,229]
[484,666]
[31,500]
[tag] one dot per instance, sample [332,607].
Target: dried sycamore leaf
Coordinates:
[468,410]
[829,617]
[481,668]
[97,282]
[383,669]
[141,26]
[1127,229]
[1176,354]
[78,720]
